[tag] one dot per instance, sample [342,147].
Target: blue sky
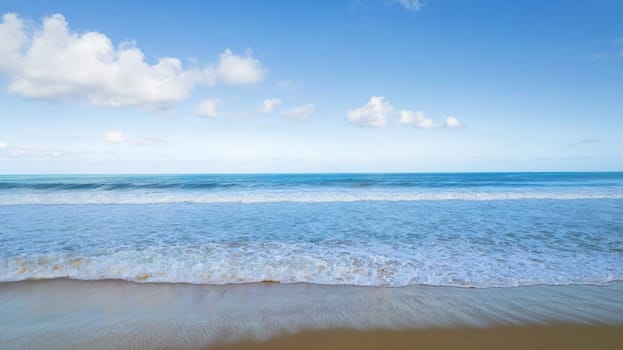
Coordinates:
[318,86]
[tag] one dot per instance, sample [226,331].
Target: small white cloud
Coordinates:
[114,136]
[3,145]
[300,113]
[374,113]
[269,105]
[235,70]
[411,5]
[207,108]
[417,118]
[452,122]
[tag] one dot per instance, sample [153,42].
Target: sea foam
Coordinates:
[101,197]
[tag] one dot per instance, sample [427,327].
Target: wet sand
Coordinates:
[568,337]
[68,314]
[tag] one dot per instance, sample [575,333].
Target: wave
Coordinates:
[291,196]
[277,263]
[292,181]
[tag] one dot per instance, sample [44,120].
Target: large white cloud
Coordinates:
[207,108]
[269,105]
[374,113]
[417,118]
[300,113]
[52,62]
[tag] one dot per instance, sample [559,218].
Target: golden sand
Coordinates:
[507,338]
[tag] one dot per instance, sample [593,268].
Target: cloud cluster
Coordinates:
[53,62]
[417,118]
[375,113]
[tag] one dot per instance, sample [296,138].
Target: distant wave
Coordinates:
[112,186]
[309,181]
[144,197]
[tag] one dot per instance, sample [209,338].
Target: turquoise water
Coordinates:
[463,230]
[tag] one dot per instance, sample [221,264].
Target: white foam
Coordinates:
[379,265]
[131,197]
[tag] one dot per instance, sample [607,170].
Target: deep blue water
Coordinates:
[468,230]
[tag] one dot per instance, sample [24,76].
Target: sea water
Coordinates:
[462,230]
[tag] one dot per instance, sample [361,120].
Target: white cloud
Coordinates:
[452,122]
[417,118]
[420,120]
[52,62]
[235,70]
[207,108]
[114,136]
[300,113]
[374,113]
[269,105]
[411,5]
[3,145]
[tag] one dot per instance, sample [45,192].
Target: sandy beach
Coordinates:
[69,314]
[568,337]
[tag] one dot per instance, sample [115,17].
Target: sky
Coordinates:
[310,86]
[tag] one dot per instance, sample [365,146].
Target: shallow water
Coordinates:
[504,230]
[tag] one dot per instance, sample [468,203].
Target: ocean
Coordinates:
[477,230]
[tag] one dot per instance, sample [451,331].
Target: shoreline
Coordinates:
[276,282]
[112,314]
